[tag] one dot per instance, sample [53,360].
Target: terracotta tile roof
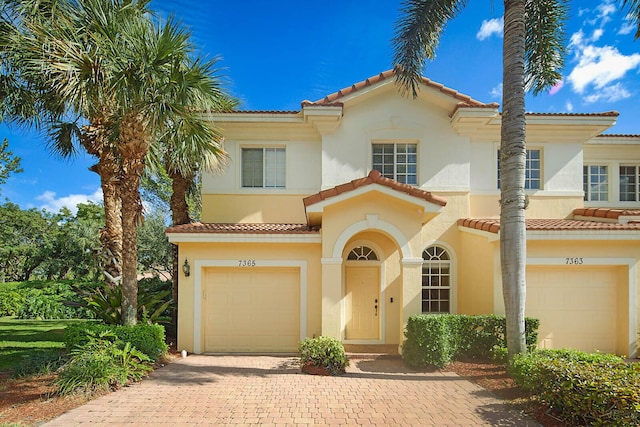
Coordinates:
[374,177]
[331,99]
[617,135]
[243,228]
[262,112]
[493,225]
[605,212]
[603,114]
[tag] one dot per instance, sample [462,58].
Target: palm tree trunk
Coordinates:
[133,148]
[94,140]
[180,215]
[512,176]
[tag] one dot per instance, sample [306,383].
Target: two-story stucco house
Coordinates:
[363,208]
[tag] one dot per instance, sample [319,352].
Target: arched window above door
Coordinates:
[362,253]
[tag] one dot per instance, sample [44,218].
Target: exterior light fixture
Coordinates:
[186,268]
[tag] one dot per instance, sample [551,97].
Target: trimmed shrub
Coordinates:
[437,339]
[582,388]
[324,352]
[429,341]
[149,339]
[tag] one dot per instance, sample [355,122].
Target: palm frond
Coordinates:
[634,13]
[545,43]
[417,36]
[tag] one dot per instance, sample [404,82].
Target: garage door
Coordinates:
[251,309]
[577,306]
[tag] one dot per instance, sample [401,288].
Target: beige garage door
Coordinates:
[576,305]
[251,309]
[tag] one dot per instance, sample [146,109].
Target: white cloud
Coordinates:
[496,92]
[600,66]
[491,27]
[597,33]
[569,107]
[627,26]
[609,94]
[53,204]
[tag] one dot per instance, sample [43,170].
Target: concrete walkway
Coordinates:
[267,390]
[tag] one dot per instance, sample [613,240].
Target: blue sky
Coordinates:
[275,54]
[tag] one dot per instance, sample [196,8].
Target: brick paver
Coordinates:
[271,391]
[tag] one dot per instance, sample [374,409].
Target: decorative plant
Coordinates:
[325,353]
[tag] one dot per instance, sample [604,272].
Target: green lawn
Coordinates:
[21,338]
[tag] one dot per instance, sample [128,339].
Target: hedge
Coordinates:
[582,388]
[149,339]
[437,339]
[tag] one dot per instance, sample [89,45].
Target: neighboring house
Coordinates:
[366,207]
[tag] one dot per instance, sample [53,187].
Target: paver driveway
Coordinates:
[266,390]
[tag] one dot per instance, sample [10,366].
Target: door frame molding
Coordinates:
[200,264]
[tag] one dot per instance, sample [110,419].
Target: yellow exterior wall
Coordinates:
[476,276]
[253,208]
[247,251]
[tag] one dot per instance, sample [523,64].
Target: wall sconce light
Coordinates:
[186,268]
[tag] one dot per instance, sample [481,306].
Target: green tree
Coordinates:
[23,236]
[533,53]
[131,82]
[8,162]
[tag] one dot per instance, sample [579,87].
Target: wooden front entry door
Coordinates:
[362,303]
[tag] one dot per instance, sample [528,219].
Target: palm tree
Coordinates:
[127,81]
[533,52]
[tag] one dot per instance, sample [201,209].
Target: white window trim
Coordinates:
[395,142]
[527,190]
[453,274]
[263,189]
[610,188]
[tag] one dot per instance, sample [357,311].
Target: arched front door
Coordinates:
[362,294]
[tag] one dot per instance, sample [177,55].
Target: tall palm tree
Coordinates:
[533,53]
[127,80]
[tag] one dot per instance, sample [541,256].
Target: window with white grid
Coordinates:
[396,161]
[533,170]
[436,280]
[263,167]
[595,183]
[629,183]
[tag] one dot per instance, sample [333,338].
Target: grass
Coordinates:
[21,338]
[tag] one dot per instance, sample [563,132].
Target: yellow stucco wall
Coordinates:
[253,208]
[195,252]
[476,275]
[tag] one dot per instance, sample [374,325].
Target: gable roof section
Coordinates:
[335,99]
[374,177]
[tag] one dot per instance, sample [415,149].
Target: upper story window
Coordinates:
[263,167]
[533,170]
[436,280]
[396,161]
[595,183]
[629,184]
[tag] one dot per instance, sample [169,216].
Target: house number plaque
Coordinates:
[574,261]
[246,263]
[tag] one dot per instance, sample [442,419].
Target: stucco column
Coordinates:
[332,297]
[411,290]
